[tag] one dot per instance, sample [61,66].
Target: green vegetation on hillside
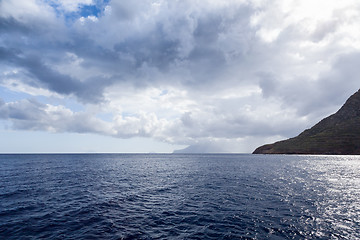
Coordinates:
[336,134]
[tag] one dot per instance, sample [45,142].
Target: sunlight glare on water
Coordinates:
[179,196]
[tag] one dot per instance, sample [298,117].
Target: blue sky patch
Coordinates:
[83,10]
[11,96]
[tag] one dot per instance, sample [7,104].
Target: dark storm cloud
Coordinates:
[31,50]
[128,10]
[229,69]
[153,49]
[53,80]
[3,112]
[159,49]
[159,46]
[267,83]
[26,111]
[25,114]
[11,25]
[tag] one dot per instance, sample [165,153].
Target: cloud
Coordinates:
[157,46]
[73,5]
[33,115]
[51,79]
[24,11]
[191,72]
[10,25]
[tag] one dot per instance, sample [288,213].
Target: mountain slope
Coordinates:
[336,134]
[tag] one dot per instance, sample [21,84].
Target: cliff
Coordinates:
[336,134]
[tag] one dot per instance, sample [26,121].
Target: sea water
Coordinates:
[179,196]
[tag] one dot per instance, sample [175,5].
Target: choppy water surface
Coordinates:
[140,196]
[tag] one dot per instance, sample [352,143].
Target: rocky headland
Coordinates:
[336,134]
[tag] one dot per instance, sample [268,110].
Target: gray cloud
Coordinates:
[221,70]
[25,114]
[33,115]
[159,46]
[308,96]
[153,49]
[53,80]
[11,25]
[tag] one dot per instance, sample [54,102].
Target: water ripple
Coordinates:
[152,196]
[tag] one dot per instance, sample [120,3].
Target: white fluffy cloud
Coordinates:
[212,74]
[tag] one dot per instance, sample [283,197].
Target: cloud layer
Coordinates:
[230,74]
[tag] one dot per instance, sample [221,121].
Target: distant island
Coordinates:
[338,134]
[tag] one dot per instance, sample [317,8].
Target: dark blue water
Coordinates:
[140,196]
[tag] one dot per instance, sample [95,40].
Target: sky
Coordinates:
[164,75]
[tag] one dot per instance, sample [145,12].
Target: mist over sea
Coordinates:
[179,196]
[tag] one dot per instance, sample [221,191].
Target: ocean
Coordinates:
[179,196]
